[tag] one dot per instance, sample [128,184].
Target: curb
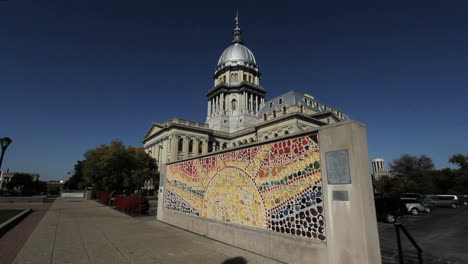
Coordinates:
[5,227]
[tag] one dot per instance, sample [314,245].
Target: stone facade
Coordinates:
[237,112]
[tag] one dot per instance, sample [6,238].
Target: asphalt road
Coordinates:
[442,235]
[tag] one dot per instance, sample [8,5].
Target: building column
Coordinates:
[256,103]
[194,146]
[204,146]
[223,104]
[209,107]
[185,153]
[173,151]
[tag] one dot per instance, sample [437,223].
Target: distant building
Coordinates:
[378,168]
[54,186]
[5,177]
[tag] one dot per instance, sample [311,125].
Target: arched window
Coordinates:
[234,78]
[286,132]
[264,117]
[245,78]
[181,144]
[234,104]
[280,101]
[200,147]
[266,137]
[224,145]
[224,79]
[302,109]
[274,114]
[190,146]
[284,109]
[276,135]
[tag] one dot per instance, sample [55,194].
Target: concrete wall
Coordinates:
[351,227]
[72,194]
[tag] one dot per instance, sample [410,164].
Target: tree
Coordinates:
[413,171]
[460,176]
[22,182]
[117,167]
[76,180]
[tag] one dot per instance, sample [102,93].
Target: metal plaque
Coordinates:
[340,196]
[338,167]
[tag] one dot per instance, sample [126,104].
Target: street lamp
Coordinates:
[4,142]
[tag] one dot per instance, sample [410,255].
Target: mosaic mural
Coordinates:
[277,186]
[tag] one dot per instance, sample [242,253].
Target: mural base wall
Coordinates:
[351,227]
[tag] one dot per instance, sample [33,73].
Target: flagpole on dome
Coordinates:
[237,31]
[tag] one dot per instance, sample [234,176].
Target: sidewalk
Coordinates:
[80,231]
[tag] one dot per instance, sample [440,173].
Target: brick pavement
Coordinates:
[12,242]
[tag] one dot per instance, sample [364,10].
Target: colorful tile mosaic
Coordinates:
[276,186]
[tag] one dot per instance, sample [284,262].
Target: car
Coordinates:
[445,200]
[388,209]
[412,206]
[429,206]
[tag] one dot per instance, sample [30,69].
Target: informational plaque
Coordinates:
[340,196]
[338,167]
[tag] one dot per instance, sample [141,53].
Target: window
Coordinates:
[271,105]
[190,146]
[250,78]
[274,114]
[302,109]
[284,109]
[225,145]
[245,78]
[280,101]
[276,135]
[234,104]
[181,144]
[224,79]
[264,117]
[286,132]
[200,147]
[266,137]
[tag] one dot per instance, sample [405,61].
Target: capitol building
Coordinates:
[238,112]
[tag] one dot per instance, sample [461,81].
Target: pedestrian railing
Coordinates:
[401,227]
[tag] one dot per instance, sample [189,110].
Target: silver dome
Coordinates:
[237,54]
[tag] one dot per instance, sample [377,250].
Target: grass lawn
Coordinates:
[7,214]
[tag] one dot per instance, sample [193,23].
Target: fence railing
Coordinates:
[401,227]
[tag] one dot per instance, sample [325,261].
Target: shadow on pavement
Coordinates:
[236,260]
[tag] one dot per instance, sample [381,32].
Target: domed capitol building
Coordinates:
[238,112]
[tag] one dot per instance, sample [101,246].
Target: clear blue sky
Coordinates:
[77,74]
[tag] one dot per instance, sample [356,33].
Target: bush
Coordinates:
[132,204]
[103,196]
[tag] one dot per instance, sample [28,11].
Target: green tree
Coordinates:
[117,167]
[413,171]
[76,180]
[460,176]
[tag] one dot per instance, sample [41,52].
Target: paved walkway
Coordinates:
[81,231]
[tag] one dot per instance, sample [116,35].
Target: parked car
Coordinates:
[429,206]
[412,206]
[445,200]
[388,209]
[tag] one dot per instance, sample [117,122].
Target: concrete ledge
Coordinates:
[72,195]
[23,199]
[13,221]
[285,248]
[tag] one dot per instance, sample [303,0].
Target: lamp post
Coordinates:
[4,142]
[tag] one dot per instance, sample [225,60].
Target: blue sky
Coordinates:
[77,74]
